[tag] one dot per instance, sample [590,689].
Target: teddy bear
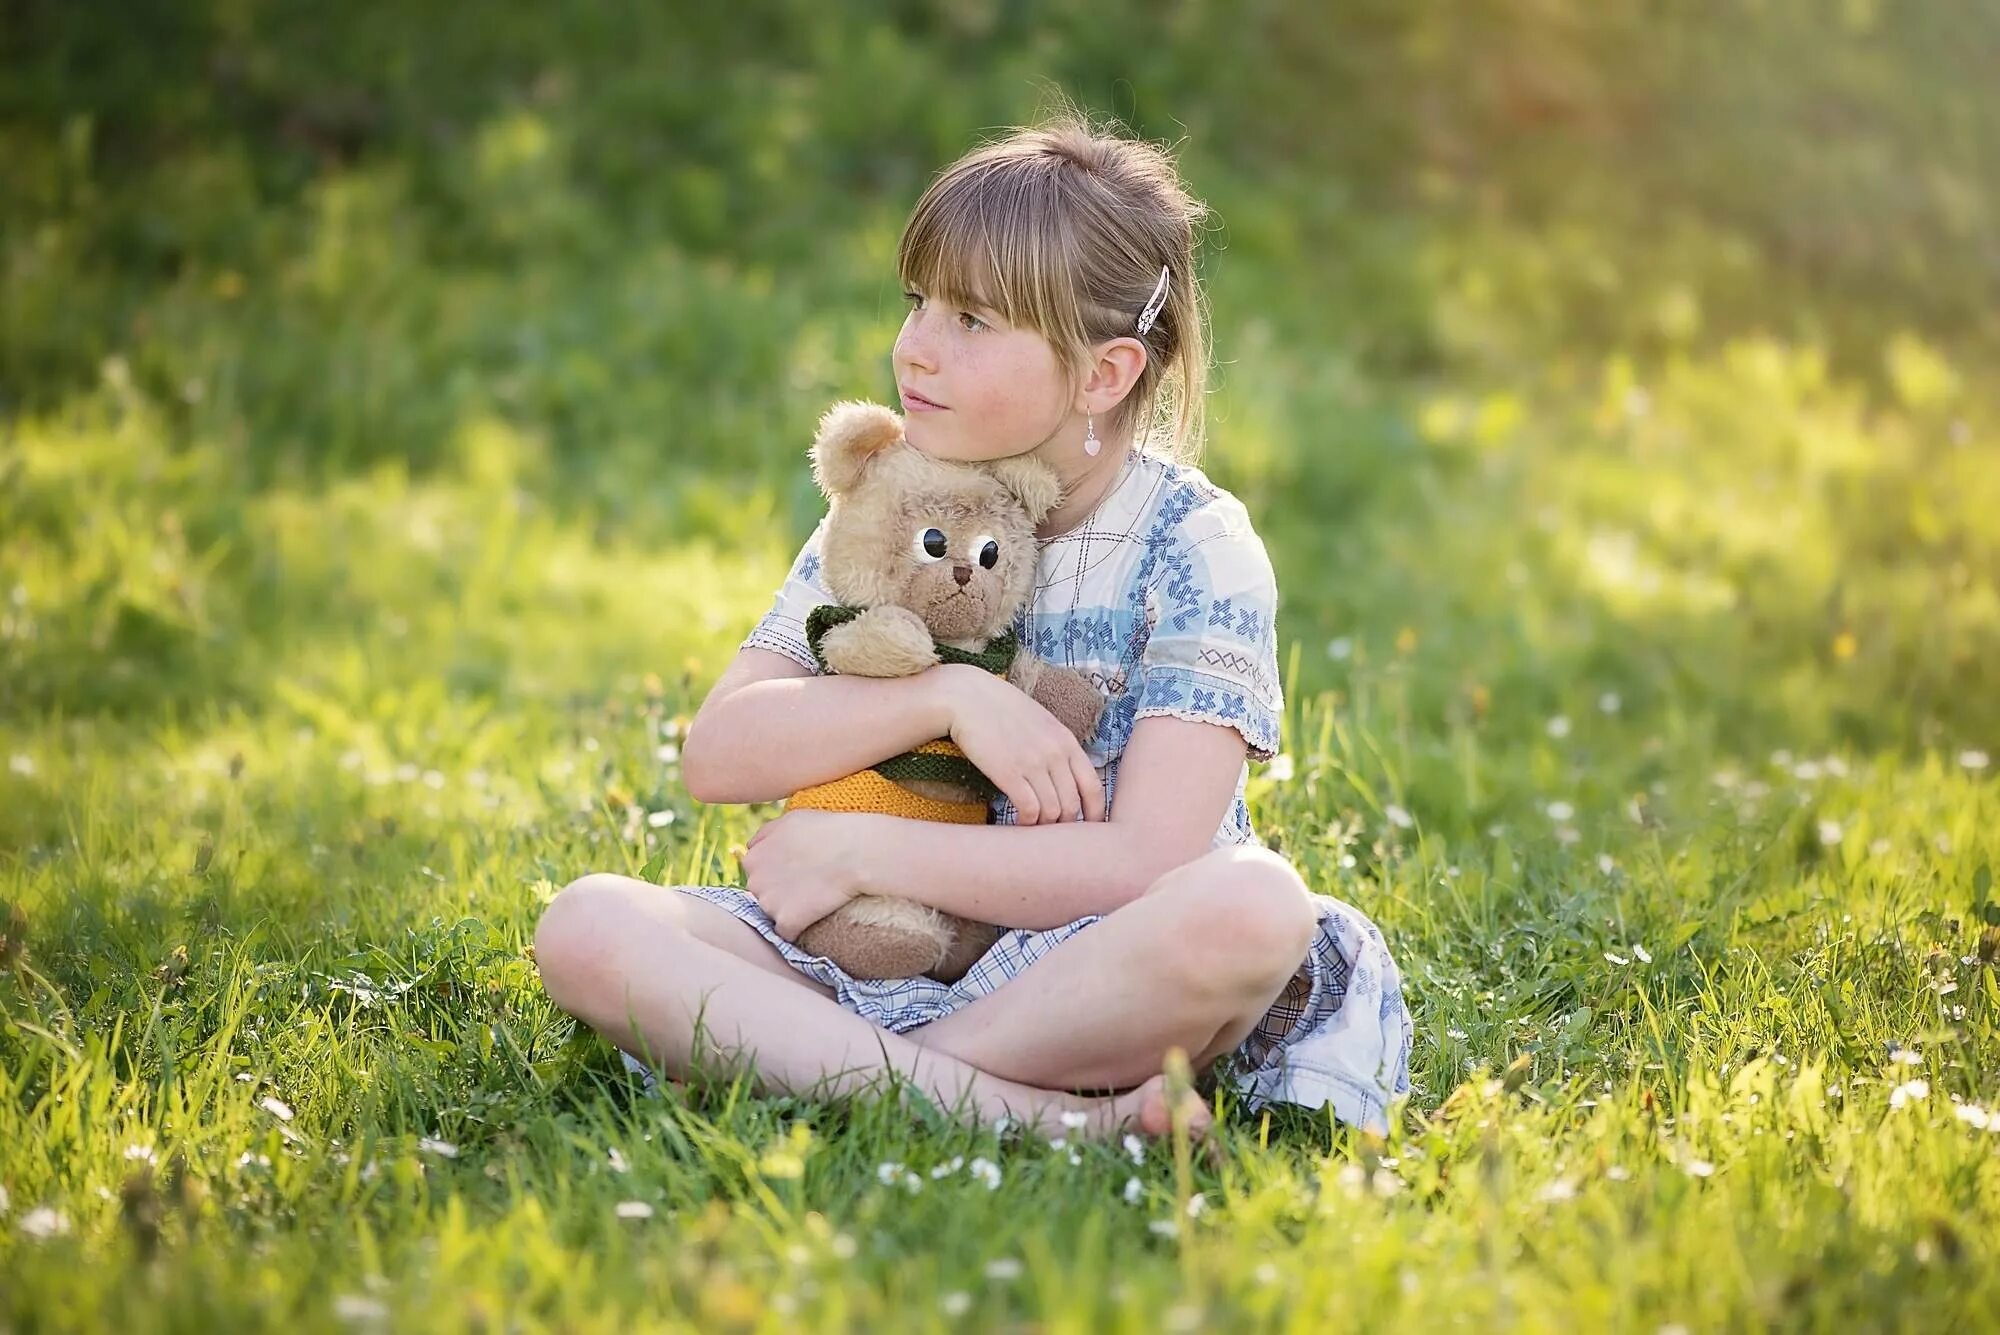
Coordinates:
[931,561]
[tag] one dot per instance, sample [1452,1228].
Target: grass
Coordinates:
[404,422]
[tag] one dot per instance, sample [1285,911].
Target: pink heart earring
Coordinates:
[1091,444]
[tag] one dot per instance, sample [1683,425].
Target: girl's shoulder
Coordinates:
[1155,518]
[1194,508]
[1159,503]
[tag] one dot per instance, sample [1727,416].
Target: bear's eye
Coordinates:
[986,551]
[931,545]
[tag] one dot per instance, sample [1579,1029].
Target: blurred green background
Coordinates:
[402,417]
[1612,340]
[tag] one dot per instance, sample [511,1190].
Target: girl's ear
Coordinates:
[1033,483]
[850,434]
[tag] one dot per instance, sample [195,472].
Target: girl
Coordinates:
[1054,310]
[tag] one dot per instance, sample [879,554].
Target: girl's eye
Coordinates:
[986,551]
[916,300]
[931,545]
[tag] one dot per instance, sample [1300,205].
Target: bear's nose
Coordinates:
[963,574]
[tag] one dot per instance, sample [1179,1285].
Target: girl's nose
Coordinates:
[913,345]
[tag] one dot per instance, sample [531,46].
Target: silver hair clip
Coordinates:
[1153,303]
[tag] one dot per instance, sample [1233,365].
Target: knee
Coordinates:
[1242,919]
[574,939]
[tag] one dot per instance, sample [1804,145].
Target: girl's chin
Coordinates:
[937,447]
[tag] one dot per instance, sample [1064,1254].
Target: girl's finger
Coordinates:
[1066,793]
[1027,808]
[1045,795]
[1088,786]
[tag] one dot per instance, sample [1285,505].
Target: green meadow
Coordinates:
[402,418]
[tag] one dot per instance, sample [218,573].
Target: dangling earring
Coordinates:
[1091,444]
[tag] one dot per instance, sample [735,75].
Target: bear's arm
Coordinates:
[1062,691]
[881,642]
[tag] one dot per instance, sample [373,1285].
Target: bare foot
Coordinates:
[1144,1110]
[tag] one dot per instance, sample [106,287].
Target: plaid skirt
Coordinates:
[1338,1034]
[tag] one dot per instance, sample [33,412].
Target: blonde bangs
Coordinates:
[991,234]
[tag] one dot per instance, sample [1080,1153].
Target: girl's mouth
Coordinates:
[914,402]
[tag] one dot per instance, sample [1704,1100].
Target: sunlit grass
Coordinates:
[370,526]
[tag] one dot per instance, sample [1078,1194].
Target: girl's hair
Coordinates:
[1063,229]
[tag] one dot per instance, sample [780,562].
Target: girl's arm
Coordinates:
[770,727]
[1175,784]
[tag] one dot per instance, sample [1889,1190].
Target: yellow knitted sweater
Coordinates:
[876,789]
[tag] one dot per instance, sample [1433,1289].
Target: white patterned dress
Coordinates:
[1164,598]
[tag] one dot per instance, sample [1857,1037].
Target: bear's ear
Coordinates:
[850,434]
[1033,483]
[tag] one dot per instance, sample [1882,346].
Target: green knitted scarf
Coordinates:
[996,657]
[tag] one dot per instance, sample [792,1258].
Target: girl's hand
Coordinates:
[804,865]
[1021,747]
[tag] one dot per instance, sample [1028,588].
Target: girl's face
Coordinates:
[972,387]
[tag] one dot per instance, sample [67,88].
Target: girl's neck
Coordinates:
[1083,490]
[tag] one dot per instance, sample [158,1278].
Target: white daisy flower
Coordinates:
[44,1222]
[359,1308]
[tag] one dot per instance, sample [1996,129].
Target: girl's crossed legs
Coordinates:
[1193,963]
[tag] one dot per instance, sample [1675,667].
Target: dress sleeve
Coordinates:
[783,629]
[1213,652]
